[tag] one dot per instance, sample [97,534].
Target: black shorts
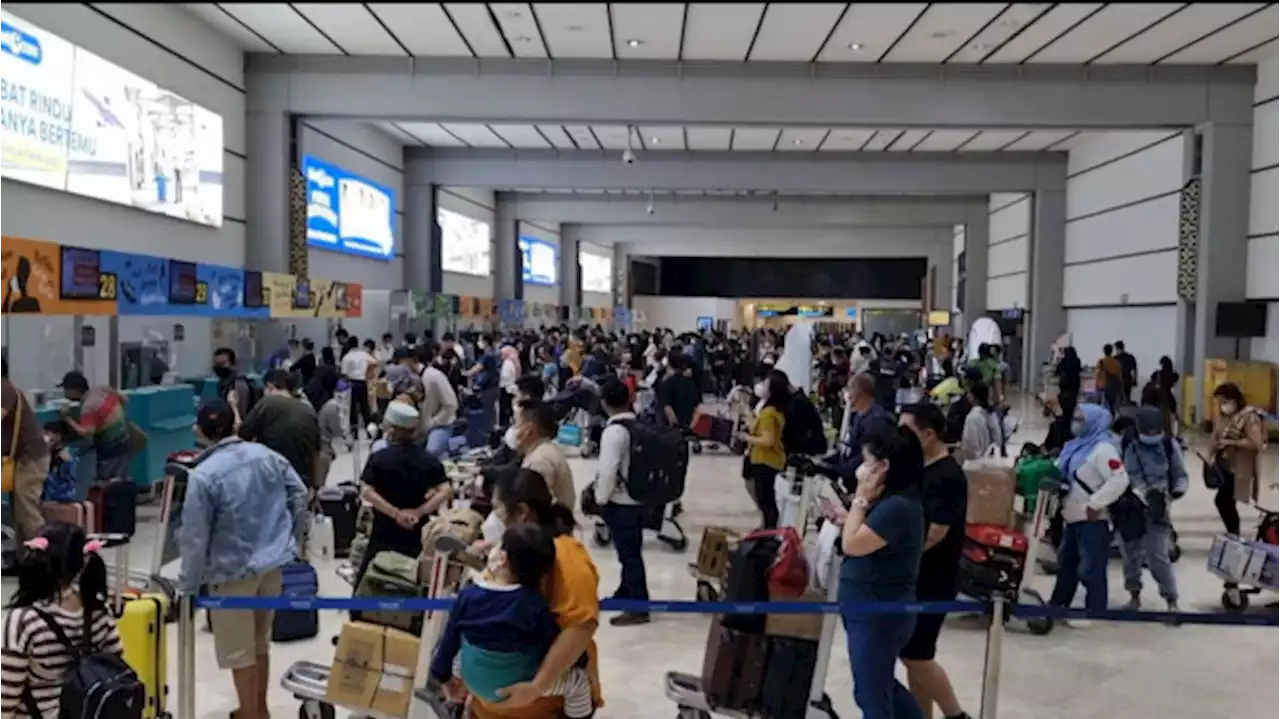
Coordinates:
[923,644]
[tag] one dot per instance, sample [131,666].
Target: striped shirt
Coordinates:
[34,659]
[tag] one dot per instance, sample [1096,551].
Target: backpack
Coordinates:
[255,391]
[802,433]
[97,685]
[659,461]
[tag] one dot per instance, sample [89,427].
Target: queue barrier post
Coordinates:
[186,657]
[993,660]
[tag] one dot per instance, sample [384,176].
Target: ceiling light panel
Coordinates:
[614,137]
[576,30]
[794,31]
[1040,140]
[1042,31]
[844,139]
[663,137]
[1103,31]
[285,28]
[474,135]
[1253,30]
[708,138]
[521,136]
[423,28]
[521,30]
[581,135]
[944,28]
[944,140]
[558,137]
[430,133]
[476,25]
[394,132]
[1015,18]
[720,31]
[882,139]
[872,27]
[1177,30]
[907,140]
[801,139]
[351,26]
[755,138]
[246,40]
[656,25]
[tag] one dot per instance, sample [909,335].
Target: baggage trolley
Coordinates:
[1046,504]
[308,681]
[1238,588]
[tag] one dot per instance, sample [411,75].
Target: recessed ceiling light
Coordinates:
[574,28]
[941,34]
[521,39]
[855,46]
[635,42]
[513,13]
[656,140]
[797,141]
[981,46]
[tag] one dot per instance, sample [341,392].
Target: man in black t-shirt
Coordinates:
[945,500]
[678,393]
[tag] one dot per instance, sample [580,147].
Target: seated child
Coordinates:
[60,482]
[501,627]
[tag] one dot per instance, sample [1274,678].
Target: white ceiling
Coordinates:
[999,33]
[677,138]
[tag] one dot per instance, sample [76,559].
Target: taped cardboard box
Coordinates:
[713,553]
[797,626]
[992,489]
[373,669]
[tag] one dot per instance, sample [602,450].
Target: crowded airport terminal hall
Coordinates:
[744,360]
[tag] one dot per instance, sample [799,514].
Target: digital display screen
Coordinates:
[302,294]
[80,271]
[340,301]
[182,283]
[253,290]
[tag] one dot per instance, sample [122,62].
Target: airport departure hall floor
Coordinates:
[1135,671]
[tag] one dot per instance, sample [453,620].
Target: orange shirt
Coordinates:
[573,592]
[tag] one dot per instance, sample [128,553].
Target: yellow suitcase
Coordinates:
[142,632]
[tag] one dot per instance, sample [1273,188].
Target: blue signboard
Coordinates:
[540,261]
[348,213]
[155,286]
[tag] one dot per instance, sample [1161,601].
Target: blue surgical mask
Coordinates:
[1151,440]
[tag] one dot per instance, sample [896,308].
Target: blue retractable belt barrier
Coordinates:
[1024,611]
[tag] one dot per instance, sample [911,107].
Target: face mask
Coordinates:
[863,472]
[1077,427]
[495,559]
[1227,407]
[1151,440]
[222,372]
[511,438]
[493,528]
[761,389]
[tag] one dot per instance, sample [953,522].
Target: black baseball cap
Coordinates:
[215,418]
[74,380]
[401,353]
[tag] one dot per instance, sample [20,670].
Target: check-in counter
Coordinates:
[166,414]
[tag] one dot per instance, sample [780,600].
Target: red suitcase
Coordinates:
[78,513]
[992,561]
[702,425]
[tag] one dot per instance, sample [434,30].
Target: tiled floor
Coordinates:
[1136,671]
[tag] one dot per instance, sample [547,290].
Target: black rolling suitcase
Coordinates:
[341,504]
[115,507]
[784,693]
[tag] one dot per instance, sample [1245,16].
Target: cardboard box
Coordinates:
[992,489]
[373,669]
[713,553]
[798,626]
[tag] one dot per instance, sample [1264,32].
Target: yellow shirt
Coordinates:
[572,590]
[769,421]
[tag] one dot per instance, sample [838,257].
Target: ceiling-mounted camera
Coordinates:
[628,156]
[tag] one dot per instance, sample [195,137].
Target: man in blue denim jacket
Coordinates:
[244,507]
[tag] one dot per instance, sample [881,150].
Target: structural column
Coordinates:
[973,298]
[267,168]
[508,261]
[570,270]
[621,280]
[420,238]
[1222,256]
[1047,319]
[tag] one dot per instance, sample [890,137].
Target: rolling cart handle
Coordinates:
[120,543]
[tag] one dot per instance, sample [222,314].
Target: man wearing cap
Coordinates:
[404,485]
[244,509]
[103,422]
[286,424]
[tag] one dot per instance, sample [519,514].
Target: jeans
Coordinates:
[761,478]
[360,414]
[874,644]
[1086,547]
[626,525]
[438,442]
[1153,548]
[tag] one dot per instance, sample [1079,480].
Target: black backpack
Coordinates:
[803,433]
[658,463]
[97,685]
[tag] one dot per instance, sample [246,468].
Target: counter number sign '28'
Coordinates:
[108,285]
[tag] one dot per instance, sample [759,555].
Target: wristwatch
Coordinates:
[861,503]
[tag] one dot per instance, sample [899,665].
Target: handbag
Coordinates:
[10,465]
[1128,513]
[1216,476]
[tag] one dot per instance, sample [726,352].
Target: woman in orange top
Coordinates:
[572,590]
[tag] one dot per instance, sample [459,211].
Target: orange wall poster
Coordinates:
[297,298]
[45,278]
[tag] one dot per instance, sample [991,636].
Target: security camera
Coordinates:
[649,209]
[628,156]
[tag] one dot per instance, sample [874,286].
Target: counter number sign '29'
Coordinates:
[348,213]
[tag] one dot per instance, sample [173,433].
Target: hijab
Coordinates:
[1097,431]
[512,355]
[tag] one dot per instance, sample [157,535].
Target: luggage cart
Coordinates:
[308,681]
[1240,585]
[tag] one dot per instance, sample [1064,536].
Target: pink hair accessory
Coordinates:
[39,544]
[93,546]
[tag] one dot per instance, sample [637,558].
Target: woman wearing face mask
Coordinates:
[1159,476]
[882,539]
[572,593]
[1095,477]
[765,455]
[1238,437]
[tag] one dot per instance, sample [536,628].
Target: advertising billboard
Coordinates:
[348,213]
[465,243]
[541,260]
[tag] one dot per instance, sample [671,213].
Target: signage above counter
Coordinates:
[348,213]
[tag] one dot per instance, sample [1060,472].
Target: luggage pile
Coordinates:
[993,558]
[1247,567]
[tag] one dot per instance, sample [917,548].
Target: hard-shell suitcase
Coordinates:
[733,669]
[392,575]
[298,580]
[115,506]
[80,514]
[787,678]
[142,633]
[721,430]
[992,561]
[341,504]
[747,580]
[702,425]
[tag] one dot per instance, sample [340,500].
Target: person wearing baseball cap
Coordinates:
[244,509]
[102,421]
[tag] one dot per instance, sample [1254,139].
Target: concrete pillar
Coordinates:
[1224,244]
[621,276]
[974,274]
[570,270]
[267,167]
[421,269]
[1046,316]
[508,261]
